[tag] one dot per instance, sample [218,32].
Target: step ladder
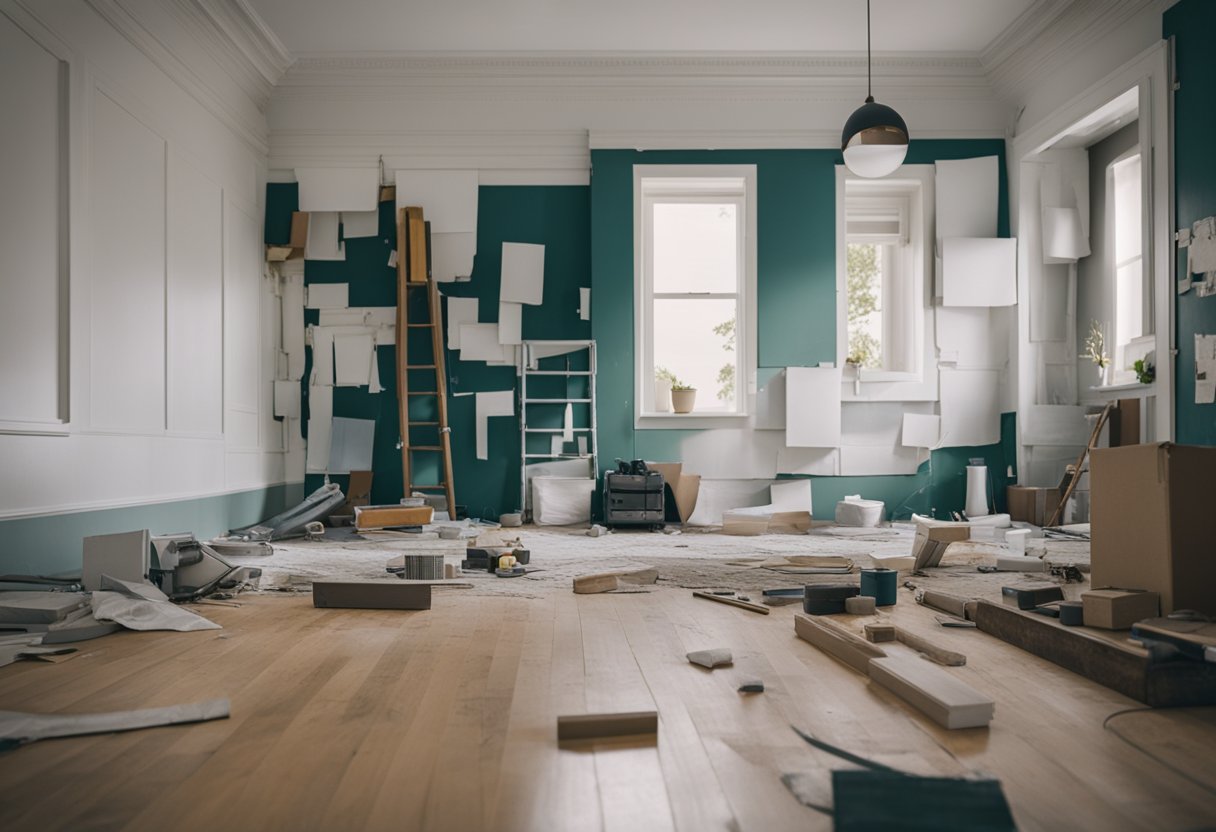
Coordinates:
[412,275]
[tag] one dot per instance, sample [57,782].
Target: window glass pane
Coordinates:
[1127,208]
[694,341]
[865,295]
[695,247]
[1129,303]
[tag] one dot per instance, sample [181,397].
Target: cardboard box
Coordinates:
[1152,522]
[371,595]
[383,517]
[1118,609]
[1032,505]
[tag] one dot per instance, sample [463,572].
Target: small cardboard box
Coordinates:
[1152,523]
[1031,505]
[382,517]
[1118,609]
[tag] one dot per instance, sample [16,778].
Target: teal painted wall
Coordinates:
[1192,24]
[51,544]
[557,217]
[796,302]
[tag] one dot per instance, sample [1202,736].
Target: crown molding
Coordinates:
[147,42]
[342,69]
[743,139]
[239,40]
[1051,32]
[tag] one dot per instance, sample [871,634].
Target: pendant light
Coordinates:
[875,138]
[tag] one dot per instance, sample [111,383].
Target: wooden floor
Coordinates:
[445,720]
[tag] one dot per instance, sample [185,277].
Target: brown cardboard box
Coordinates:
[1152,525]
[380,517]
[1118,609]
[1031,505]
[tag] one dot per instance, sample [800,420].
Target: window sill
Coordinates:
[694,421]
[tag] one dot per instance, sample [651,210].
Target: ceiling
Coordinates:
[309,27]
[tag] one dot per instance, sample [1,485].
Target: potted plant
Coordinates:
[663,381]
[683,397]
[1145,372]
[1095,351]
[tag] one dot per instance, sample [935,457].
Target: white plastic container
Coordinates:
[561,501]
[854,511]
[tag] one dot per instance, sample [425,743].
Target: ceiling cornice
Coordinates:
[191,81]
[241,42]
[1049,34]
[310,69]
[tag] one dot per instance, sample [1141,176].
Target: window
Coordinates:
[882,285]
[695,231]
[1124,195]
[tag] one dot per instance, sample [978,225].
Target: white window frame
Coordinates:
[912,187]
[693,183]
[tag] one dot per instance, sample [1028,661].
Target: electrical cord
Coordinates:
[1158,760]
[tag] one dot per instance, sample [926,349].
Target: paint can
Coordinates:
[881,584]
[1071,613]
[826,599]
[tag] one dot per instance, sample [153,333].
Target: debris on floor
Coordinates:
[598,726]
[716,657]
[17,728]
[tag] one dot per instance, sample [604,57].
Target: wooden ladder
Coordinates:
[1080,467]
[412,273]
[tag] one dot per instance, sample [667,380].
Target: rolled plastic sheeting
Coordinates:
[977,490]
[854,511]
[316,506]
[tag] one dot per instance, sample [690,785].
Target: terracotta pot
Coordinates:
[682,401]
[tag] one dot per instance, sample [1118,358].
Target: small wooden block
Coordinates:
[592,726]
[935,653]
[880,632]
[861,605]
[371,595]
[836,641]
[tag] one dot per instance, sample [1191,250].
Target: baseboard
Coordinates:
[48,545]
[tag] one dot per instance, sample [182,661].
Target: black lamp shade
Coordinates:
[881,124]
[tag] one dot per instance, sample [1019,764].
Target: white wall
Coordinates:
[170,327]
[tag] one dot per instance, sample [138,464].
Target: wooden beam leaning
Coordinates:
[595,726]
[416,229]
[837,642]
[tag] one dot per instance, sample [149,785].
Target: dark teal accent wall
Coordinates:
[557,217]
[796,301]
[1192,24]
[52,544]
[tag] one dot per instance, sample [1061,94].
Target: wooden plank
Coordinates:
[836,641]
[416,245]
[734,602]
[937,654]
[371,595]
[1117,665]
[608,581]
[948,701]
[596,726]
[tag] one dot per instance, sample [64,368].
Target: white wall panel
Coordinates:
[127,243]
[195,303]
[242,327]
[32,202]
